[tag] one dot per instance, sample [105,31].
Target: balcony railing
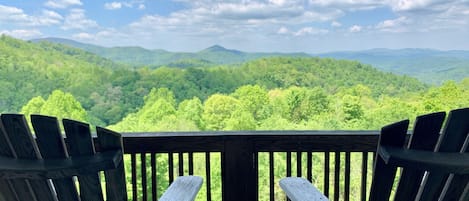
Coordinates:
[247,165]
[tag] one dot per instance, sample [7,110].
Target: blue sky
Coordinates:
[311,26]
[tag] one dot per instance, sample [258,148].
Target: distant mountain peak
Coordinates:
[219,48]
[216,47]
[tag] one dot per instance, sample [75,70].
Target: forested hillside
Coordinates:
[211,56]
[429,66]
[267,93]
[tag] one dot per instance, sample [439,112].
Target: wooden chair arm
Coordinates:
[300,189]
[184,188]
[11,168]
[456,163]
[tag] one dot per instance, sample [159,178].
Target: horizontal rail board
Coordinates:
[163,142]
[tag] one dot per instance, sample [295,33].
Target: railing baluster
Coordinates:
[326,172]
[134,176]
[143,169]
[170,167]
[154,191]
[256,172]
[309,163]
[271,175]
[364,176]
[207,175]
[298,164]
[347,177]
[288,164]
[337,176]
[191,163]
[181,163]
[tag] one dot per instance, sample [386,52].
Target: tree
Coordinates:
[218,109]
[63,105]
[33,106]
[192,110]
[303,103]
[241,120]
[352,108]
[444,98]
[255,100]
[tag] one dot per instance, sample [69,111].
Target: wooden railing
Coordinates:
[247,165]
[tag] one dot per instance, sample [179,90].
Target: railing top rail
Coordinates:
[216,141]
[251,133]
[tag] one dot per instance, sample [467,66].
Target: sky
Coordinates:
[311,26]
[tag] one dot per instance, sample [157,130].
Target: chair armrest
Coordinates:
[300,189]
[184,188]
[457,163]
[12,168]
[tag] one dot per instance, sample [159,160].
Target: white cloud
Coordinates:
[83,36]
[278,2]
[283,30]
[310,31]
[349,4]
[16,15]
[235,17]
[113,5]
[139,4]
[62,3]
[336,24]
[408,5]
[49,18]
[355,28]
[395,25]
[77,20]
[22,33]
[8,13]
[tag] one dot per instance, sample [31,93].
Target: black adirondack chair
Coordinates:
[435,166]
[45,168]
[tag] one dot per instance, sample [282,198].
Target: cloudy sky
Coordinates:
[311,26]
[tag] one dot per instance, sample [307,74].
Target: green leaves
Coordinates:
[58,104]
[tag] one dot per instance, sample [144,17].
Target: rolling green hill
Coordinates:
[109,91]
[215,55]
[429,66]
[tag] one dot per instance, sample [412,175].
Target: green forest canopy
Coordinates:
[266,93]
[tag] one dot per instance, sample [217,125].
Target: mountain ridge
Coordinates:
[431,66]
[428,65]
[215,55]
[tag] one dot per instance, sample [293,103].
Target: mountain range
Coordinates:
[214,55]
[427,65]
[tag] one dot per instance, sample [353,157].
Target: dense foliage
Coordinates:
[109,92]
[263,94]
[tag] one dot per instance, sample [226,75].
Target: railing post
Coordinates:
[239,177]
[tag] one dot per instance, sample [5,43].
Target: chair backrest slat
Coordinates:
[24,147]
[6,185]
[115,178]
[52,146]
[452,140]
[81,144]
[383,175]
[460,183]
[424,137]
